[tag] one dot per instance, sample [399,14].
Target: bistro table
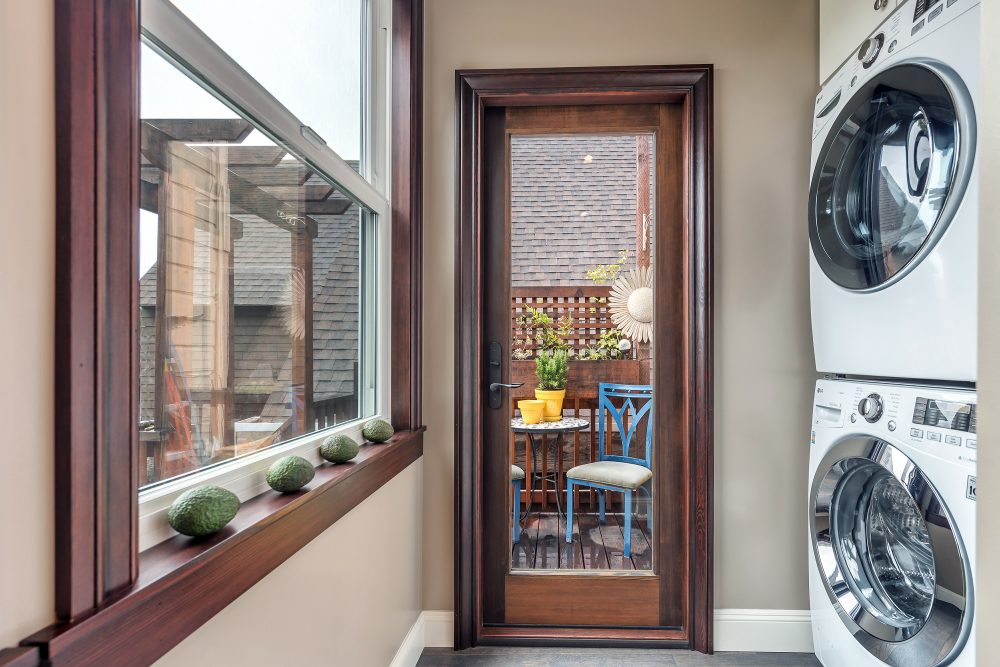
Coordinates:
[559,429]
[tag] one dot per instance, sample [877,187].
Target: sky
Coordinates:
[307,53]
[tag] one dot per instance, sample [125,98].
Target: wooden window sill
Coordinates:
[183,582]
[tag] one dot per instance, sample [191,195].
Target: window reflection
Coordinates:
[250,289]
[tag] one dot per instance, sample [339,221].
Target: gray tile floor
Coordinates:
[578,657]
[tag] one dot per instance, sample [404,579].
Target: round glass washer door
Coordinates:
[891,174]
[887,551]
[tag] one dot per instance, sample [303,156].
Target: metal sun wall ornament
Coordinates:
[295,304]
[631,304]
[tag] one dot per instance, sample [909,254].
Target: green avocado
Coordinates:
[339,449]
[202,511]
[290,474]
[377,430]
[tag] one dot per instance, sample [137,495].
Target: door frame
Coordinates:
[690,86]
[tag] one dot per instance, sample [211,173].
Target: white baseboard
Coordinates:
[757,630]
[763,630]
[439,629]
[431,629]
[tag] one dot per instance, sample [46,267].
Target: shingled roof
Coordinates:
[261,343]
[570,213]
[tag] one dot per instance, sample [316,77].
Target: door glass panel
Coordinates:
[883,177]
[581,251]
[884,549]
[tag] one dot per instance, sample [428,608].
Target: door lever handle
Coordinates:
[494,375]
[496,386]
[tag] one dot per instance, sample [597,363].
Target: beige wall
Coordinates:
[348,598]
[765,53]
[27,248]
[988,483]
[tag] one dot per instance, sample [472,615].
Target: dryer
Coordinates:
[893,211]
[892,514]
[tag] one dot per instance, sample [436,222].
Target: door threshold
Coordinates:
[610,637]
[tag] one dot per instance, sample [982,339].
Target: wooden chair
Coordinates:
[610,472]
[517,481]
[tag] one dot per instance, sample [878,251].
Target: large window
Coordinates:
[260,238]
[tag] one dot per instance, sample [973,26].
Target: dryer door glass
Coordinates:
[884,177]
[884,549]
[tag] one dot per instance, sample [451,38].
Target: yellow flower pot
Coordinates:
[531,411]
[553,403]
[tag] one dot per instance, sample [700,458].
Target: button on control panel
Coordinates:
[917,433]
[933,437]
[970,443]
[953,440]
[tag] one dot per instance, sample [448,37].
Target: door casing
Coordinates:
[691,87]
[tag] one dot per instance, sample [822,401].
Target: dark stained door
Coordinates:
[647,599]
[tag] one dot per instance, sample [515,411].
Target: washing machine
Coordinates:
[892,514]
[893,210]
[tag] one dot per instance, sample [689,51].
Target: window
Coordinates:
[309,54]
[260,314]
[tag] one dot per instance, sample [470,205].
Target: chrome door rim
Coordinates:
[965,114]
[951,620]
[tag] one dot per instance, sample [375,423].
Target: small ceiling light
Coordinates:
[587,159]
[583,215]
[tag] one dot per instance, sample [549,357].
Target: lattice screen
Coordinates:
[586,307]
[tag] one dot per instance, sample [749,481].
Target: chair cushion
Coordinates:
[612,473]
[516,473]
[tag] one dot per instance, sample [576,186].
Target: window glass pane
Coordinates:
[309,54]
[250,287]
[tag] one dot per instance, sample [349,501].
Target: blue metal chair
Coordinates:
[517,481]
[625,474]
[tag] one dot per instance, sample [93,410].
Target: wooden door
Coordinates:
[568,587]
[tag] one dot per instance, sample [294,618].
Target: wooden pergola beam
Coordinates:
[245,195]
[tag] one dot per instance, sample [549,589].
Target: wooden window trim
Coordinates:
[183,582]
[101,579]
[690,85]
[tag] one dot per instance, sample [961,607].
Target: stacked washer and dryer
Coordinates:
[893,227]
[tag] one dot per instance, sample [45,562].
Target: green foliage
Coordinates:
[607,273]
[551,367]
[549,334]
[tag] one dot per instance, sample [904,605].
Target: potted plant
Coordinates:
[551,368]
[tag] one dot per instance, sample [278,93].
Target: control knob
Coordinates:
[870,408]
[870,50]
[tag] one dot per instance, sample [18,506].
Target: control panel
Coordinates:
[911,22]
[937,420]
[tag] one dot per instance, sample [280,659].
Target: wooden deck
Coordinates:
[595,546]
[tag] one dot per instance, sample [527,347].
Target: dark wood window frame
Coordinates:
[476,90]
[114,605]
